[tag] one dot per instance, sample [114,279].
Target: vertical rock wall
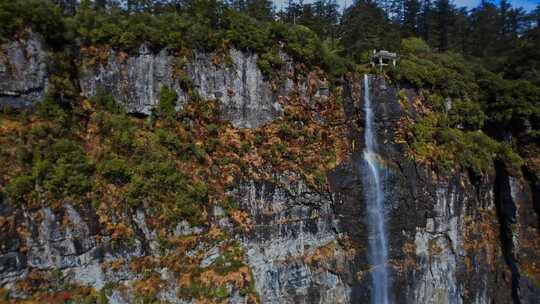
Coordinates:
[294,248]
[246,98]
[446,243]
[23,71]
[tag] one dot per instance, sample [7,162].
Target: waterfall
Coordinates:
[374,195]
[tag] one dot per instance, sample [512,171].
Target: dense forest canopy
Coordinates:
[505,38]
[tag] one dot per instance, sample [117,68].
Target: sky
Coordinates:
[528,5]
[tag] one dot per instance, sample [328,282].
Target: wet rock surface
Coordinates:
[445,230]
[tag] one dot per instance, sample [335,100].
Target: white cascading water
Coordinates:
[374,195]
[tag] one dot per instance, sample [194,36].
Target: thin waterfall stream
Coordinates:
[374,195]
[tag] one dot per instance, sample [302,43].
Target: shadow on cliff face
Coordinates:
[346,180]
[517,206]
[506,212]
[534,184]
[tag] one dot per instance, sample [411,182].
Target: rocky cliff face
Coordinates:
[246,98]
[457,238]
[294,249]
[23,71]
[447,232]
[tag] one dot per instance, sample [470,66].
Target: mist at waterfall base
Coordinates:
[374,199]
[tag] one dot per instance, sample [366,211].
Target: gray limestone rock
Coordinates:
[246,98]
[23,71]
[291,224]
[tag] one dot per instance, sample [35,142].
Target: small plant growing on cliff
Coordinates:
[169,140]
[104,101]
[18,187]
[115,170]
[167,104]
[65,170]
[50,109]
[467,114]
[270,63]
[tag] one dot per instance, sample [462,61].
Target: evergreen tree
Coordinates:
[410,18]
[100,4]
[460,31]
[260,9]
[504,8]
[484,29]
[68,7]
[366,27]
[425,20]
[444,19]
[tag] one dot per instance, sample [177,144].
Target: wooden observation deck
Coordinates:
[383,58]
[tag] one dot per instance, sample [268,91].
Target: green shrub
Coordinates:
[230,260]
[270,63]
[167,103]
[136,192]
[230,205]
[188,202]
[198,152]
[414,45]
[115,170]
[223,161]
[277,151]
[212,129]
[449,147]
[188,209]
[169,140]
[105,101]
[259,139]
[447,74]
[18,187]
[244,32]
[64,170]
[286,131]
[245,147]
[50,109]
[185,81]
[62,84]
[119,130]
[466,114]
[332,60]
[509,157]
[303,44]
[156,178]
[436,102]
[211,144]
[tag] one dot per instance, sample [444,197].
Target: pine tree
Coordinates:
[365,27]
[484,29]
[410,18]
[260,9]
[504,9]
[68,7]
[444,18]
[425,20]
[460,31]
